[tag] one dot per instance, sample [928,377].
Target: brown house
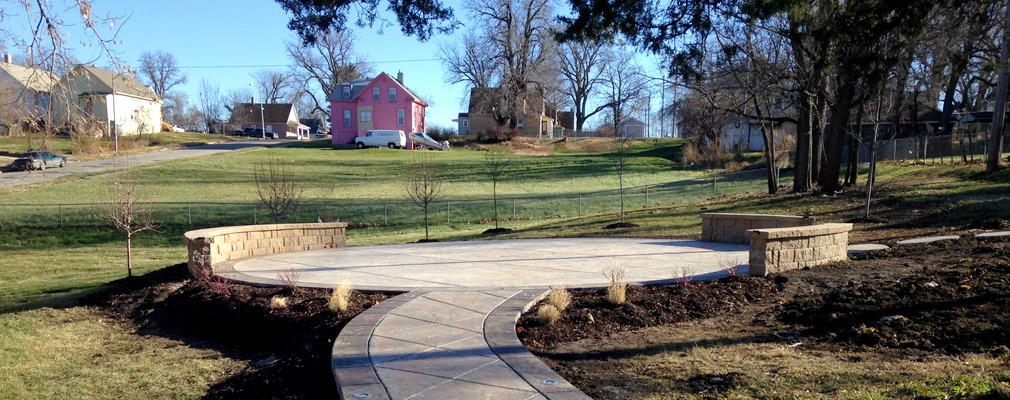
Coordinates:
[535,119]
[279,118]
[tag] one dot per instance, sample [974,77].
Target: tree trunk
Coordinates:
[425,220]
[840,111]
[802,181]
[817,137]
[999,109]
[855,143]
[129,255]
[773,179]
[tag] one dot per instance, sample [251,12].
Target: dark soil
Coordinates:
[496,231]
[287,348]
[948,298]
[428,241]
[621,225]
[591,316]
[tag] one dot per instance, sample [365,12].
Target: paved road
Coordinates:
[14,178]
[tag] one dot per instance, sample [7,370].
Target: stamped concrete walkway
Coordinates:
[452,336]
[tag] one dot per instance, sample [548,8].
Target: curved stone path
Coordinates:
[452,336]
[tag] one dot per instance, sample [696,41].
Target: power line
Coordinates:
[287,65]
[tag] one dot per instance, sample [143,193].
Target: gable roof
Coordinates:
[273,113]
[359,85]
[31,78]
[103,81]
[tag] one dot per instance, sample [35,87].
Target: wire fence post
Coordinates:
[715,186]
[385,219]
[447,211]
[513,209]
[580,204]
[61,215]
[254,214]
[646,196]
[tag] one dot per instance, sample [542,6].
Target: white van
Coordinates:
[379,138]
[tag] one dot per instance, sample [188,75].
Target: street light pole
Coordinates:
[263,125]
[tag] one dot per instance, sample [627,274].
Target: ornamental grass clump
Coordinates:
[278,302]
[560,298]
[548,314]
[340,299]
[617,286]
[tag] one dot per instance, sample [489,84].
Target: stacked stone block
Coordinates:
[209,247]
[732,228]
[782,249]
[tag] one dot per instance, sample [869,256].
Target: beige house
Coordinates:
[535,120]
[115,100]
[25,95]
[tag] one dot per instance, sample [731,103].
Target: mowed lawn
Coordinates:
[352,175]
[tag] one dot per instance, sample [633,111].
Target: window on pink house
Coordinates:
[375,94]
[347,92]
[347,117]
[399,117]
[392,94]
[366,116]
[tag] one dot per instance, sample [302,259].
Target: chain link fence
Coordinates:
[443,211]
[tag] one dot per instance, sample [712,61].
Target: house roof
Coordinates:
[359,85]
[483,100]
[103,81]
[249,113]
[317,125]
[566,119]
[31,78]
[631,121]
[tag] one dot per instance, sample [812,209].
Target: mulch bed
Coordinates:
[590,315]
[287,348]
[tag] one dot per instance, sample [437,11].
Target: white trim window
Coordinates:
[347,92]
[347,117]
[375,94]
[365,116]
[399,117]
[392,95]
[520,123]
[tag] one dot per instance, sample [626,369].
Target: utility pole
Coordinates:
[263,125]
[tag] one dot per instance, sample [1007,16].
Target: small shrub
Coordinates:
[84,143]
[498,134]
[289,278]
[548,314]
[617,286]
[709,155]
[278,302]
[684,275]
[560,298]
[220,285]
[340,299]
[731,267]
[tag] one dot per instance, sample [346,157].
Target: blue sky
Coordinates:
[226,41]
[239,38]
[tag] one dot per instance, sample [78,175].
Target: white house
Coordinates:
[25,94]
[117,100]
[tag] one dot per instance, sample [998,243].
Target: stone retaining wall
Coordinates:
[732,228]
[782,249]
[209,247]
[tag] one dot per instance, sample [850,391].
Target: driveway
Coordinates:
[14,178]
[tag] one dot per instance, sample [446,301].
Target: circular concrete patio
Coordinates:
[533,263]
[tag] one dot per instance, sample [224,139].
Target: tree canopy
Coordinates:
[418,18]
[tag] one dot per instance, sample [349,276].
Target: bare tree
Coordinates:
[161,70]
[496,162]
[619,154]
[582,64]
[277,188]
[475,64]
[622,86]
[273,85]
[174,106]
[424,185]
[126,206]
[212,106]
[999,107]
[321,66]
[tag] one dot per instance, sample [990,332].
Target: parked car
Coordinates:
[381,138]
[38,159]
[255,133]
[177,128]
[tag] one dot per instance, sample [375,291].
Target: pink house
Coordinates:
[381,103]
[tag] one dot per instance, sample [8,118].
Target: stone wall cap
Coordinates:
[754,216]
[800,231]
[224,230]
